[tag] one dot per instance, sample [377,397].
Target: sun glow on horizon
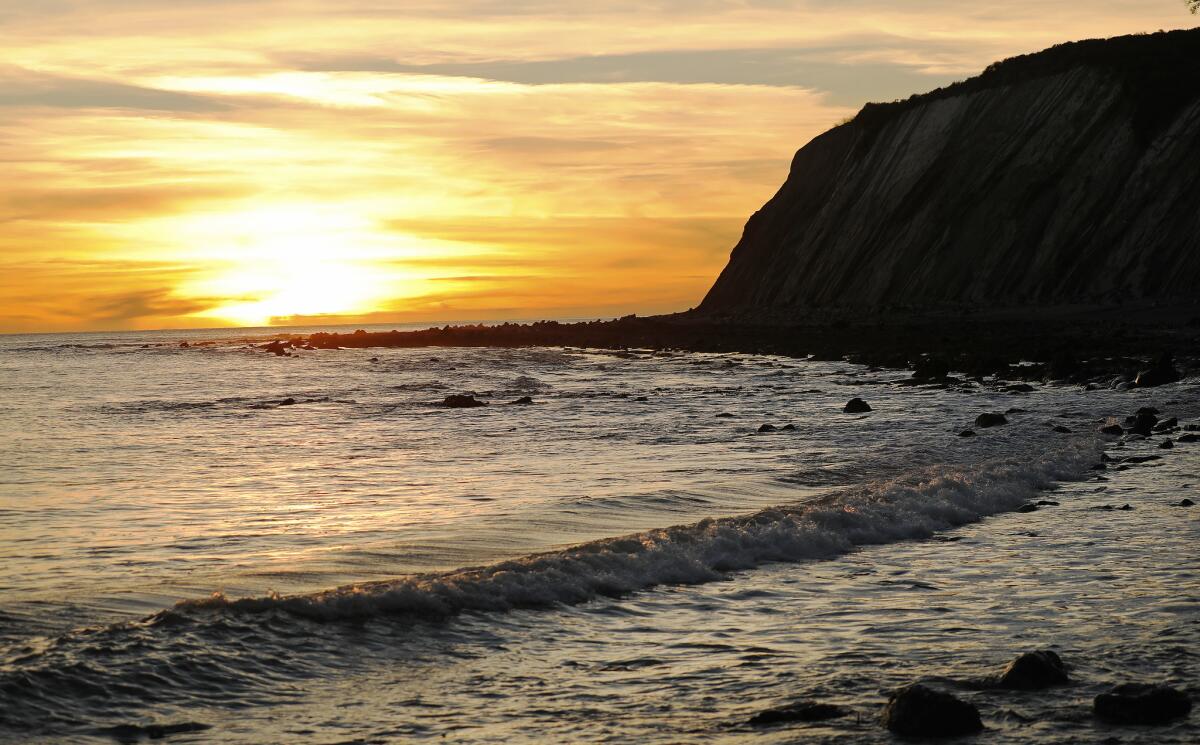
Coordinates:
[289,260]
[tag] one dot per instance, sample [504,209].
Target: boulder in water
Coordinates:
[967,433]
[856,406]
[918,711]
[523,401]
[1032,671]
[983,421]
[1143,424]
[462,401]
[767,428]
[1142,703]
[801,711]
[1112,428]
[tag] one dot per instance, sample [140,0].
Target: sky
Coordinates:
[200,163]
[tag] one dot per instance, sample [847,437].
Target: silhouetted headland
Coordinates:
[1044,210]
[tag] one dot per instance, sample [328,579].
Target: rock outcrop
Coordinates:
[1052,180]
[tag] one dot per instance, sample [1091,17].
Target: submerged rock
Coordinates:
[801,711]
[768,428]
[1166,445]
[1185,503]
[983,421]
[462,401]
[856,406]
[1062,430]
[918,711]
[1032,671]
[1142,703]
[967,433]
[1190,437]
[1112,428]
[1028,507]
[522,401]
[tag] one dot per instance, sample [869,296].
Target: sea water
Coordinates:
[212,543]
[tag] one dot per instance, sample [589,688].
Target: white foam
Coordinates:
[911,507]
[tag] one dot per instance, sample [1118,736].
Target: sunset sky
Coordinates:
[210,162]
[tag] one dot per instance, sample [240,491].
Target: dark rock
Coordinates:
[966,433]
[1162,373]
[1015,411]
[1143,424]
[918,711]
[1027,507]
[1112,428]
[1099,467]
[1020,388]
[1186,503]
[522,401]
[983,421]
[642,399]
[1047,503]
[1148,410]
[1166,445]
[184,344]
[288,402]
[1190,437]
[1142,703]
[462,401]
[856,406]
[1141,458]
[789,428]
[1166,424]
[1191,428]
[768,428]
[725,415]
[801,711]
[1032,671]
[1125,508]
[1061,429]
[373,359]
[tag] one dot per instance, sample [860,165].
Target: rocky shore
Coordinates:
[1104,352]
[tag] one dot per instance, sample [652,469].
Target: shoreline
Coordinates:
[1092,351]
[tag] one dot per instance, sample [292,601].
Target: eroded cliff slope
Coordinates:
[1068,177]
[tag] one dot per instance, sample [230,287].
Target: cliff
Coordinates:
[1070,177]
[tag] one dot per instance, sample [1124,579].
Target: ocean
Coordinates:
[215,544]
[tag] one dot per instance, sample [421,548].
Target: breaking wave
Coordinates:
[913,506]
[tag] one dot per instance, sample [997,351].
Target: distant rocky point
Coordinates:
[1065,180]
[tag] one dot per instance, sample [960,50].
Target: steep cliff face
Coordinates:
[1070,177]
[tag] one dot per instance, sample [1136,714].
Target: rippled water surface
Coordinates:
[628,558]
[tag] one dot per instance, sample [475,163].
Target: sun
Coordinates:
[287,261]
